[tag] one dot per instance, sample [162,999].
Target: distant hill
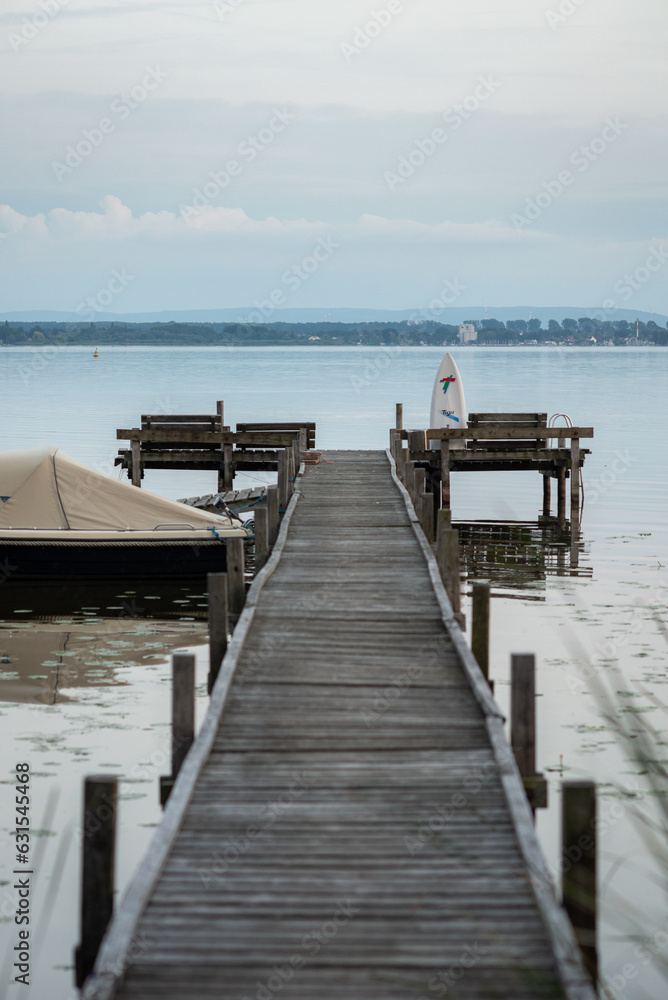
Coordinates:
[453,315]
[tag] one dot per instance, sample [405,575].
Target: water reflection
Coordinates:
[55,638]
[518,556]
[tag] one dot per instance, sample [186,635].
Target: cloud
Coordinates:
[117,222]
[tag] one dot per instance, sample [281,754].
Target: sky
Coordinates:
[283,154]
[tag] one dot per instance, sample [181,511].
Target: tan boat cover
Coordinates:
[45,488]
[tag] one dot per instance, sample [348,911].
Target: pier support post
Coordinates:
[426,514]
[480,626]
[575,483]
[135,450]
[399,424]
[183,717]
[228,467]
[417,441]
[272,513]
[445,473]
[283,479]
[561,497]
[261,537]
[219,623]
[547,495]
[523,726]
[578,826]
[448,562]
[419,480]
[291,472]
[97,877]
[220,413]
[409,478]
[236,580]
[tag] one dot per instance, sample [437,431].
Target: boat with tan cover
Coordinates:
[60,519]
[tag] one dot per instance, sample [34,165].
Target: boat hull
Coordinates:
[160,559]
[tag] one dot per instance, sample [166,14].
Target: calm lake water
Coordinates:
[89,692]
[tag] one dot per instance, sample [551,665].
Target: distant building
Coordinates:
[467,333]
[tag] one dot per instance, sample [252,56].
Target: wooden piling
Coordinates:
[561,497]
[445,474]
[523,726]
[448,561]
[261,537]
[220,413]
[183,717]
[291,472]
[426,515]
[283,480]
[417,441]
[409,478]
[97,874]
[419,480]
[228,468]
[480,626]
[135,448]
[575,482]
[578,833]
[236,580]
[272,513]
[399,424]
[547,495]
[523,711]
[219,623]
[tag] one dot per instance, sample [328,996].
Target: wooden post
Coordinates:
[220,414]
[283,477]
[448,561]
[399,417]
[97,878]
[291,472]
[523,711]
[236,581]
[445,473]
[228,467]
[480,626]
[578,833]
[135,448]
[523,726]
[219,623]
[547,494]
[561,497]
[261,537]
[303,444]
[419,480]
[409,478]
[183,708]
[575,483]
[426,507]
[272,513]
[417,441]
[183,717]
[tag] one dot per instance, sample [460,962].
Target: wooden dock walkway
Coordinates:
[350,822]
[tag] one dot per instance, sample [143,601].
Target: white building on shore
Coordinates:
[467,333]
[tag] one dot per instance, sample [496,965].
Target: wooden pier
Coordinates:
[350,823]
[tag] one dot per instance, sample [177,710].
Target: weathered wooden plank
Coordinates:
[492,432]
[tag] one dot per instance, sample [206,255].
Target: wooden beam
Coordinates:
[272,510]
[575,480]
[523,711]
[236,578]
[480,626]
[261,525]
[445,474]
[136,464]
[500,432]
[203,438]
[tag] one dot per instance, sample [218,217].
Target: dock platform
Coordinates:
[350,822]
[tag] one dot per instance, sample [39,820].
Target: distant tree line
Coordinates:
[415,332]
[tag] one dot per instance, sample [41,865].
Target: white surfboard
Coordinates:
[448,406]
